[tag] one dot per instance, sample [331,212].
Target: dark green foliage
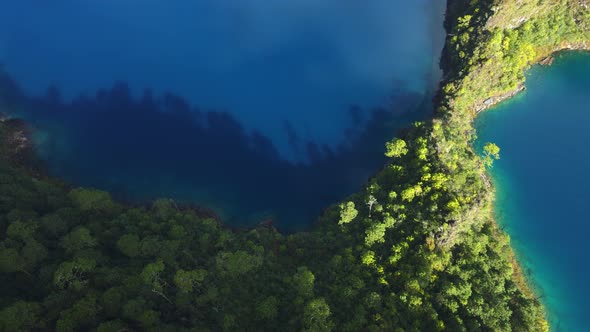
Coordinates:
[303,281]
[129,244]
[316,316]
[21,316]
[417,250]
[268,309]
[187,281]
[91,200]
[88,263]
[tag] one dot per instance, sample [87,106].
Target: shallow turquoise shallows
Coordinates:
[542,182]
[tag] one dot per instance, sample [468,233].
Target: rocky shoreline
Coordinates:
[544,61]
[17,143]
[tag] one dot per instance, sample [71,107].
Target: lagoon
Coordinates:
[542,187]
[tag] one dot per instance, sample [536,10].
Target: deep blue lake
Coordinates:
[258,109]
[542,190]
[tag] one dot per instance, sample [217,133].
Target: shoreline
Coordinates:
[17,144]
[544,60]
[469,88]
[452,153]
[525,281]
[25,157]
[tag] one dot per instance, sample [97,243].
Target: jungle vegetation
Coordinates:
[416,250]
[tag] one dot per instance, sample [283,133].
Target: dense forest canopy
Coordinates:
[417,250]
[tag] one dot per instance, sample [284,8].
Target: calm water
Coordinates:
[259,109]
[542,184]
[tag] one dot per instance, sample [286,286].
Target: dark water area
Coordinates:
[257,110]
[542,190]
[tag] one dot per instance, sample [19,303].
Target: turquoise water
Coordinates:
[543,185]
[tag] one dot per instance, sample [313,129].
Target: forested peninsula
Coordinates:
[416,250]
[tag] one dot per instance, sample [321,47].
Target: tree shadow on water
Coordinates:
[141,148]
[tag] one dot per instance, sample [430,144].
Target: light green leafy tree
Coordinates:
[80,238]
[375,234]
[304,282]
[237,263]
[396,148]
[73,274]
[186,280]
[316,316]
[347,213]
[491,152]
[268,308]
[152,277]
[411,192]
